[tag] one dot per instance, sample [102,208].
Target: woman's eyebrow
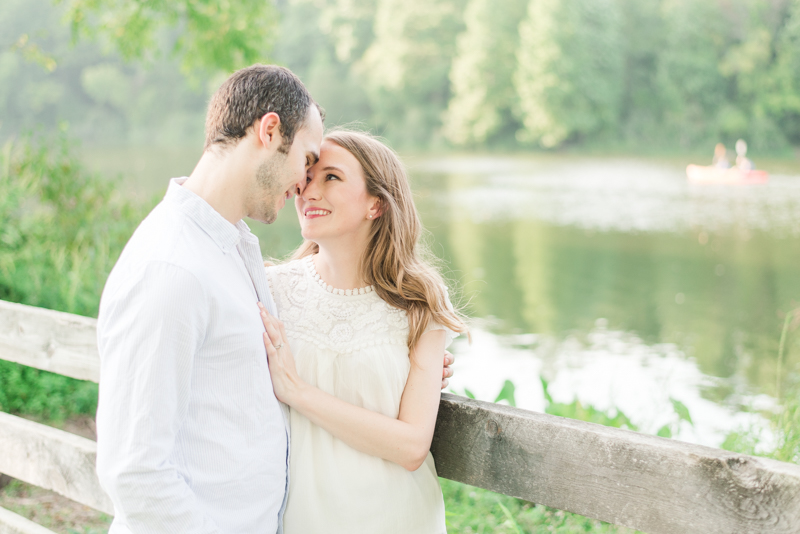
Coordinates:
[336,169]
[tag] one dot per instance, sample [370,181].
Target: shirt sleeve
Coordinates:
[149,332]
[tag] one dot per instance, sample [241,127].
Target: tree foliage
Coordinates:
[211,34]
[663,73]
[483,98]
[406,68]
[569,69]
[62,231]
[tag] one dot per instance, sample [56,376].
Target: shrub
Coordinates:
[63,228]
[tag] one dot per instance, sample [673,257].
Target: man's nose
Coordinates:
[300,186]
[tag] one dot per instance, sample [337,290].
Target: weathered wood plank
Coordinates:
[11,523]
[51,459]
[59,342]
[656,485]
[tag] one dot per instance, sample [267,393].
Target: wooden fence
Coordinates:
[645,482]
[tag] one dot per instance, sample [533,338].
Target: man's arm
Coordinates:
[149,332]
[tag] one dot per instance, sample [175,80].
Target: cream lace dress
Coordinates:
[351,345]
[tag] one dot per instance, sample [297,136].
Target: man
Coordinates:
[190,435]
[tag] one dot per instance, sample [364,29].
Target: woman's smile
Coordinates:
[314,213]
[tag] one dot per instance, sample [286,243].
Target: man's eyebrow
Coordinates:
[313,157]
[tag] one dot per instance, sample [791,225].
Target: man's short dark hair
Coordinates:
[249,94]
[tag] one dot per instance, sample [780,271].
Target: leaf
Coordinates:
[682,411]
[510,517]
[547,396]
[664,432]
[507,393]
[468,393]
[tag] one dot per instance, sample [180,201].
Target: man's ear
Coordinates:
[268,130]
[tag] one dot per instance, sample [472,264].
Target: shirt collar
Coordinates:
[224,234]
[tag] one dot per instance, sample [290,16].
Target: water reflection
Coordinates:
[608,370]
[549,247]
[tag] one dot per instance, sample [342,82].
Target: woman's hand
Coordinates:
[286,383]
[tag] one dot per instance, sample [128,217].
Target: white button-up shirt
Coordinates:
[190,436]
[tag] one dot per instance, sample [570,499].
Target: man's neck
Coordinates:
[217,180]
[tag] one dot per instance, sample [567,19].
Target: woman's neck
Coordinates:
[340,267]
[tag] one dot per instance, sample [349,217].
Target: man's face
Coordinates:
[280,175]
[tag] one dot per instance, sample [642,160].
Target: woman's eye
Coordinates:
[331,177]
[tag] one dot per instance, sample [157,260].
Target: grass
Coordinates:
[471,510]
[51,510]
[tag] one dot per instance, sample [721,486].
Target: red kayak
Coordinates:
[699,174]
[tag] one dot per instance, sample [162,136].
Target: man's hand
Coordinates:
[447,372]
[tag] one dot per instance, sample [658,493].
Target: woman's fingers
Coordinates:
[274,334]
[282,329]
[273,327]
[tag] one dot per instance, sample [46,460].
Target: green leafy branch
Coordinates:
[211,35]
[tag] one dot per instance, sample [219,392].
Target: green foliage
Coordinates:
[471,510]
[570,69]
[49,396]
[63,228]
[406,68]
[507,393]
[213,35]
[576,410]
[681,414]
[785,426]
[62,231]
[105,101]
[482,106]
[649,76]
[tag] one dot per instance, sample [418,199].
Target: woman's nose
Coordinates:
[310,191]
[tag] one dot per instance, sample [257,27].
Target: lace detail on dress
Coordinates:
[342,323]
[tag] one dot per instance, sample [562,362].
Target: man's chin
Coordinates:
[267,217]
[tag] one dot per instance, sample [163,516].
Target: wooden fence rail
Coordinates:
[656,485]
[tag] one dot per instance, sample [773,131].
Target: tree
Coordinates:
[784,101]
[693,89]
[320,45]
[482,72]
[569,70]
[212,35]
[406,68]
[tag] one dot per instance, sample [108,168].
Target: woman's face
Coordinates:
[335,203]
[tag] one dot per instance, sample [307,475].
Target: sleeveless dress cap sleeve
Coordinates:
[450,335]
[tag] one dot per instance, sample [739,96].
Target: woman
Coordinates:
[359,360]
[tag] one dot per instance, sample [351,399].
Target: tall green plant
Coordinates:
[63,229]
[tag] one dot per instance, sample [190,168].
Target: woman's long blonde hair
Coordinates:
[393,262]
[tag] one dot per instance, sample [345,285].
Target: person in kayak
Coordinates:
[742,161]
[720,157]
